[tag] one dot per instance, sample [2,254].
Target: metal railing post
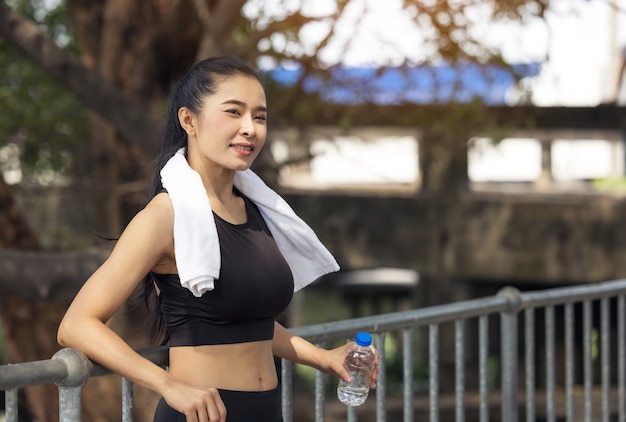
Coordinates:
[508,353]
[70,404]
[287,384]
[70,389]
[320,393]
[407,372]
[10,405]
[381,389]
[128,400]
[433,372]
[483,358]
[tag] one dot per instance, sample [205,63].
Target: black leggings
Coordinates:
[241,406]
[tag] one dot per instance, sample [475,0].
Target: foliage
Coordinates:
[610,184]
[447,30]
[48,125]
[52,18]
[40,118]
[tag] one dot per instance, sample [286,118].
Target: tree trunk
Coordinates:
[218,23]
[88,86]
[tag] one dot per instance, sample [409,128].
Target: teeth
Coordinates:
[243,148]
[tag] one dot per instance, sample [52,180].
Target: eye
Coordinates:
[233,111]
[261,117]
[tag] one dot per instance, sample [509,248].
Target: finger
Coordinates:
[374,382]
[346,376]
[222,409]
[374,378]
[217,412]
[192,416]
[203,416]
[341,371]
[216,409]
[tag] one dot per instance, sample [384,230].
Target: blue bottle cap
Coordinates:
[363,339]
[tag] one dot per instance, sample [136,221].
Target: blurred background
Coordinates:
[441,149]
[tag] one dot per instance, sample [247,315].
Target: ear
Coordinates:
[187,120]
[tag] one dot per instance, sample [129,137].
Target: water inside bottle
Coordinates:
[355,393]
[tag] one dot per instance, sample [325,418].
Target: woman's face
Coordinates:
[231,128]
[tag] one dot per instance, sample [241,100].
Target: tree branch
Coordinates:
[130,119]
[219,27]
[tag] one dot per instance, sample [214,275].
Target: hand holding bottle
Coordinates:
[360,361]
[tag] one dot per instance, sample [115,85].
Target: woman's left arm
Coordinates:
[298,350]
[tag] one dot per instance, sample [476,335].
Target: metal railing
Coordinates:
[583,338]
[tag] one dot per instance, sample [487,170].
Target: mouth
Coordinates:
[248,148]
[243,149]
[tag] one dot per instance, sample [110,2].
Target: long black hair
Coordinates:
[191,90]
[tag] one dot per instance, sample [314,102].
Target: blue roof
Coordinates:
[420,84]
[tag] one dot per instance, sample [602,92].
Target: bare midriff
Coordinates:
[240,367]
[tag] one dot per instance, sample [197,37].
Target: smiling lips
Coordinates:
[243,149]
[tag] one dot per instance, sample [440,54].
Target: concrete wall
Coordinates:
[533,238]
[505,237]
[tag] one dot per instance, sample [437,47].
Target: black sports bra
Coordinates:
[255,285]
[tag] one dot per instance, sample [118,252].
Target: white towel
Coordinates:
[196,244]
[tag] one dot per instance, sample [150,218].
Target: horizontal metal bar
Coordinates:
[404,319]
[571,294]
[54,371]
[32,373]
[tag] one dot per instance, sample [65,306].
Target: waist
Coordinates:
[241,367]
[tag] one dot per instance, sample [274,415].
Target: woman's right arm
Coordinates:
[145,243]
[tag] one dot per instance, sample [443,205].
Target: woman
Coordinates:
[221,330]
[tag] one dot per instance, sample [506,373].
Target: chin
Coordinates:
[242,167]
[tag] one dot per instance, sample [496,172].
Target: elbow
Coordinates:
[63,334]
[61,338]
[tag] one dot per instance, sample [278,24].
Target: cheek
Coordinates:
[261,130]
[262,135]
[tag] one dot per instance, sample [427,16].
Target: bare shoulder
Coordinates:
[160,207]
[155,219]
[149,237]
[158,211]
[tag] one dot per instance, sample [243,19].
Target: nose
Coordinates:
[247,126]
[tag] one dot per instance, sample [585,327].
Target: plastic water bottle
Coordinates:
[359,363]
